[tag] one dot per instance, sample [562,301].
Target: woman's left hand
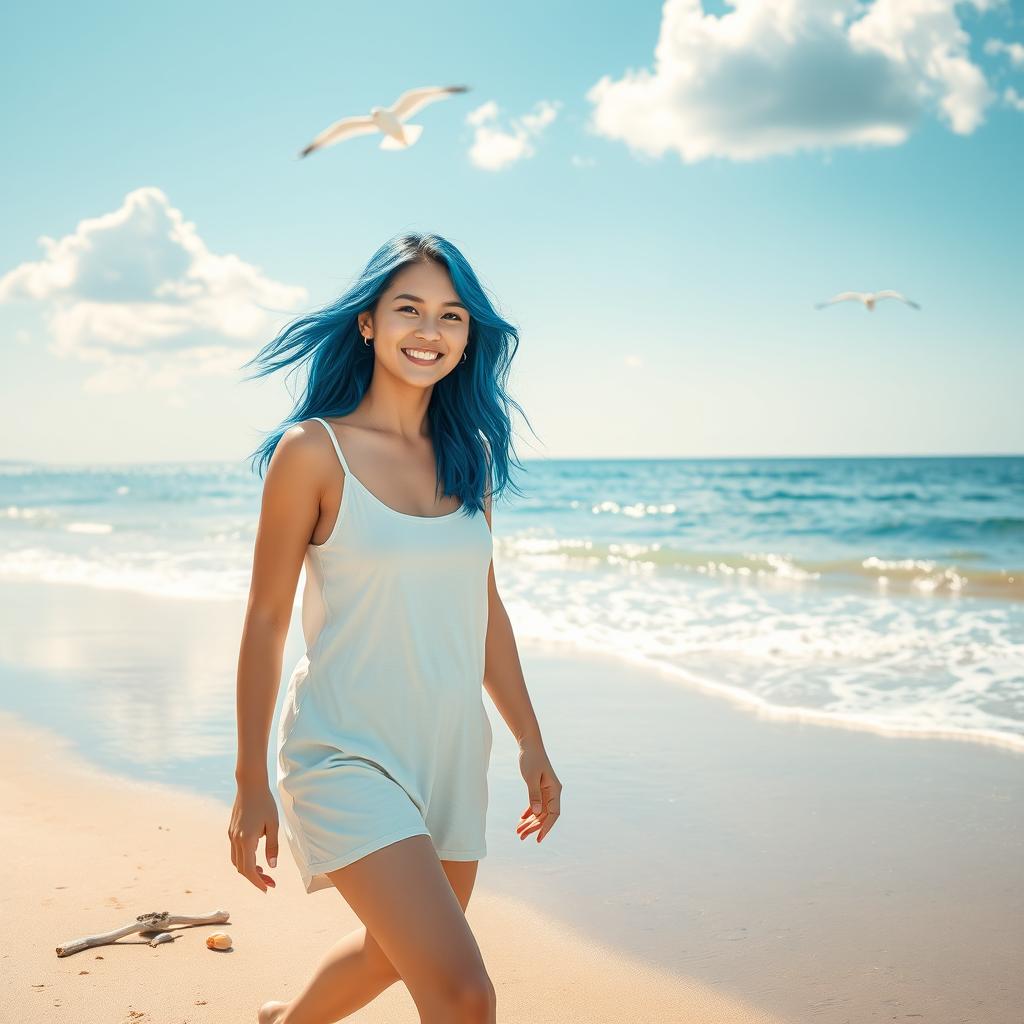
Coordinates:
[544,788]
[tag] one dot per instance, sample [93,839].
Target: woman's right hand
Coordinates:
[253,816]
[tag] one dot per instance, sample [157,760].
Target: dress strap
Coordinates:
[337,446]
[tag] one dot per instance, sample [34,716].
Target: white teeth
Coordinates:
[422,354]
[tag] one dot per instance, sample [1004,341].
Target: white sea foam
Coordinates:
[97,528]
[779,584]
[899,665]
[159,573]
[903,664]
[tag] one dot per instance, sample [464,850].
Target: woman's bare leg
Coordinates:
[356,969]
[352,973]
[403,897]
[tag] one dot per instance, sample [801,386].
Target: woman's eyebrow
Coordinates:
[416,298]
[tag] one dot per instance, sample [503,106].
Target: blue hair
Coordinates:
[469,407]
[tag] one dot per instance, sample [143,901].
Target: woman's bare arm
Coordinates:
[503,672]
[290,509]
[503,680]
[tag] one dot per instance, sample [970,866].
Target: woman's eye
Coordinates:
[402,309]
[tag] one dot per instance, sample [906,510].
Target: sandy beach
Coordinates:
[709,866]
[89,851]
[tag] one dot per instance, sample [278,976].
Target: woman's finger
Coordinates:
[249,867]
[534,821]
[548,825]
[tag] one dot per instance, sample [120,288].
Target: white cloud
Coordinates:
[494,148]
[771,78]
[1014,98]
[1015,51]
[137,292]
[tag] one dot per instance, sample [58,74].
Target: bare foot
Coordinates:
[272,1012]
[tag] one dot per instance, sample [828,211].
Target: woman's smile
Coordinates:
[421,356]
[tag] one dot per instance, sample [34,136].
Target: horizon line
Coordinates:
[566,458]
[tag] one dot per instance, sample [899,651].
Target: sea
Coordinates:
[876,593]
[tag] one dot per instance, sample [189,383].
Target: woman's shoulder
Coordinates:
[306,446]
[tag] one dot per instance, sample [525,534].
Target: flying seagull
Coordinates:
[387,120]
[868,298]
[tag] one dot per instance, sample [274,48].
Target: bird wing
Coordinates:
[346,128]
[416,99]
[841,297]
[889,294]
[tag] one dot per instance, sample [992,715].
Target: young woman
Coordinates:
[381,484]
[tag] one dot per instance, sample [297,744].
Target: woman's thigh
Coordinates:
[462,876]
[413,907]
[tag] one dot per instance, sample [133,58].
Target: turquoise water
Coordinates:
[885,593]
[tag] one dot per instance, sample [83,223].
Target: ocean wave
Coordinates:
[160,573]
[752,494]
[761,628]
[998,527]
[923,576]
[891,665]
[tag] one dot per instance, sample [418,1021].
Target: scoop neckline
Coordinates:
[349,475]
[394,511]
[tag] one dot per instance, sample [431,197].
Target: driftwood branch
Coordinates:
[152,923]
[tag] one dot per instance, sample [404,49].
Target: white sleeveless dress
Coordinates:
[383,734]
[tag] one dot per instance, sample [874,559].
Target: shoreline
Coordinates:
[752,703]
[231,610]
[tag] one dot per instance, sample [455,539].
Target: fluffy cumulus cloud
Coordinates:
[138,293]
[1013,51]
[495,147]
[770,78]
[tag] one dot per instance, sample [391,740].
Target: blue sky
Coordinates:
[656,193]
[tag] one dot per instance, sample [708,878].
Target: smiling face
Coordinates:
[420,327]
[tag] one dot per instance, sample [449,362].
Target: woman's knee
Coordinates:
[469,998]
[408,905]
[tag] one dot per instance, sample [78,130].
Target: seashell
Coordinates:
[162,937]
[218,940]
